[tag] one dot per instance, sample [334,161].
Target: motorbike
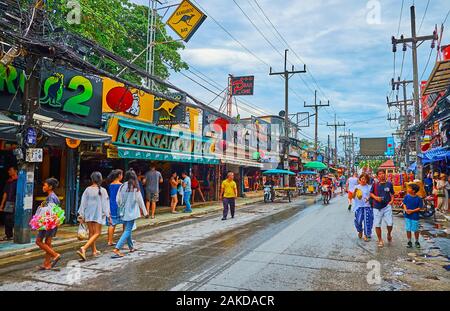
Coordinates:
[325,195]
[268,194]
[428,209]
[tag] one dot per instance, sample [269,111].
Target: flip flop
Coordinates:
[380,243]
[133,250]
[55,261]
[97,253]
[117,255]
[42,268]
[82,255]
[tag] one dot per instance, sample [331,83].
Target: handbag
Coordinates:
[9,207]
[82,233]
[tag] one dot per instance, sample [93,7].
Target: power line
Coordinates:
[423,17]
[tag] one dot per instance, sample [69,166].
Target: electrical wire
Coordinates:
[423,17]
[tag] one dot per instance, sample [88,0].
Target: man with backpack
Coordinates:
[382,195]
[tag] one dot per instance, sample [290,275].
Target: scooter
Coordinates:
[268,194]
[325,195]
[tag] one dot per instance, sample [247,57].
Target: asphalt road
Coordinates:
[301,245]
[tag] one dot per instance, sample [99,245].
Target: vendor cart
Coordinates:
[284,192]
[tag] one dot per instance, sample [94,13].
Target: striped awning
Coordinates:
[8,125]
[436,154]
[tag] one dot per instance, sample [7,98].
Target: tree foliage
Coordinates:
[121,27]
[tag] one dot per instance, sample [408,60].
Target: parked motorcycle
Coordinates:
[428,209]
[268,194]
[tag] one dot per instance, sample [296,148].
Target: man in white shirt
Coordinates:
[352,182]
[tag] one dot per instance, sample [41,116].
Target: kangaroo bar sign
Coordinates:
[167,112]
[186,19]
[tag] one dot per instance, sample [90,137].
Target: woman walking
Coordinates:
[174,182]
[94,209]
[441,186]
[115,177]
[361,207]
[51,257]
[129,200]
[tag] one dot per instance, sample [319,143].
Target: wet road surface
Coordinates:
[301,245]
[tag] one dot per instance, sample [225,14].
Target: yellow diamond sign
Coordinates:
[186,19]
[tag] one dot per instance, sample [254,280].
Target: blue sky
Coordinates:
[345,47]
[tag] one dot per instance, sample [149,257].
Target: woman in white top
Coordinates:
[94,209]
[129,200]
[361,207]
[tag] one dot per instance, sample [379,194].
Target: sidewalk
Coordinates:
[66,237]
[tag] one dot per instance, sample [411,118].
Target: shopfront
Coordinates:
[140,144]
[67,119]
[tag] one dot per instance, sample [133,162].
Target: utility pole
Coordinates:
[335,125]
[329,151]
[25,182]
[316,114]
[347,145]
[415,43]
[286,74]
[404,118]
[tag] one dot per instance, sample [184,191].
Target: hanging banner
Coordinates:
[186,19]
[242,85]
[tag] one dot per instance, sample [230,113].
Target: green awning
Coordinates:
[141,154]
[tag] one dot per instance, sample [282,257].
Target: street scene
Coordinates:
[217,146]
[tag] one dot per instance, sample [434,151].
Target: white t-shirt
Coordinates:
[364,202]
[352,183]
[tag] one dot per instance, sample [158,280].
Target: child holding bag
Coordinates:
[44,238]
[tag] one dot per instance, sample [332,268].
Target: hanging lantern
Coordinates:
[119,99]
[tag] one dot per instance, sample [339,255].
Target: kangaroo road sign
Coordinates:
[186,19]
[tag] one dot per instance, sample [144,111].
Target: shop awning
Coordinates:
[436,154]
[241,162]
[439,80]
[142,154]
[8,125]
[67,130]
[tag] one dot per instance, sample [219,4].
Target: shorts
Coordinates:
[152,196]
[411,225]
[350,195]
[42,234]
[173,192]
[382,214]
[115,221]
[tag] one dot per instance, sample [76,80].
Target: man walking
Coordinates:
[187,185]
[382,193]
[152,180]
[8,203]
[228,193]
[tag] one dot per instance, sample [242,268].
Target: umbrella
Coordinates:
[316,165]
[278,172]
[308,173]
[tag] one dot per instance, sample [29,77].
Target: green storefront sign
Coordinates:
[137,140]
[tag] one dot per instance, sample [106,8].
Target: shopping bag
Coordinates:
[82,233]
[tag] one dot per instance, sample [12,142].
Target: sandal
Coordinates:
[97,253]
[55,261]
[360,235]
[366,239]
[389,238]
[117,254]
[82,254]
[42,268]
[133,250]
[380,243]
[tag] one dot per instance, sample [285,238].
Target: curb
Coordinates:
[34,252]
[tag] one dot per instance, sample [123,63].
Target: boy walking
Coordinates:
[412,204]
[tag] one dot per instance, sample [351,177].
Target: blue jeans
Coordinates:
[126,235]
[187,201]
